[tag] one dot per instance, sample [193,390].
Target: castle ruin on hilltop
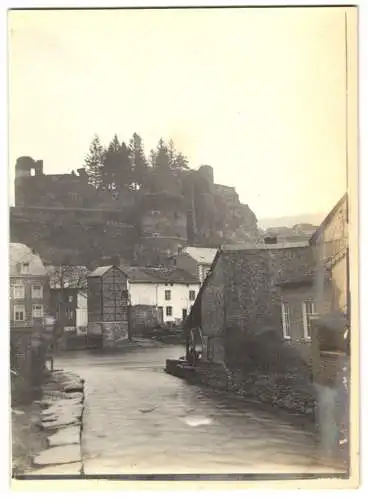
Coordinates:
[65,219]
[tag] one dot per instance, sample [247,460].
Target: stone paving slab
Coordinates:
[74,387]
[73,468]
[59,455]
[63,406]
[65,436]
[61,421]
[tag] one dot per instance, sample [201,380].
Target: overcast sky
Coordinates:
[259,94]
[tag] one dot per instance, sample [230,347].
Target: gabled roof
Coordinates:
[200,254]
[21,254]
[158,275]
[99,271]
[328,218]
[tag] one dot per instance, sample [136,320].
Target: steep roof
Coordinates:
[328,218]
[158,275]
[21,254]
[99,271]
[201,255]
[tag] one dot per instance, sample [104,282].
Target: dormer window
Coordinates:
[25,268]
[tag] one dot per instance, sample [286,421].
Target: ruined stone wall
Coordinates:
[183,204]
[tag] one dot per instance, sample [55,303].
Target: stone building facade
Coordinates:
[238,317]
[29,302]
[108,306]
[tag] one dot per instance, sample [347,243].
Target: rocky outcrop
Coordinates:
[62,421]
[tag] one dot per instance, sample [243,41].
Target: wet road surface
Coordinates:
[140,420]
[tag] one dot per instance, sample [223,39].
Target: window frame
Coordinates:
[18,285]
[192,293]
[23,266]
[21,308]
[167,294]
[169,314]
[37,307]
[306,318]
[286,322]
[41,291]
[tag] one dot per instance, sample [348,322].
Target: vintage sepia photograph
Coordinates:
[183,263]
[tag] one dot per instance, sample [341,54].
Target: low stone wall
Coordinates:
[111,333]
[61,421]
[285,391]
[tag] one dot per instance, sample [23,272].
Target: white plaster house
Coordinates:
[171,291]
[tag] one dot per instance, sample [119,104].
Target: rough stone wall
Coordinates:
[213,314]
[114,332]
[259,363]
[253,301]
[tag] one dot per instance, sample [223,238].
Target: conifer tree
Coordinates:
[94,162]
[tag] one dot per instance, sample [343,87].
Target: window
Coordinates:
[308,312]
[286,326]
[192,295]
[18,291]
[37,291]
[37,311]
[25,267]
[167,294]
[168,311]
[69,313]
[70,298]
[19,313]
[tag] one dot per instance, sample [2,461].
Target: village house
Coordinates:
[196,260]
[29,287]
[241,295]
[29,300]
[68,298]
[330,327]
[160,295]
[239,323]
[108,306]
[125,301]
[69,306]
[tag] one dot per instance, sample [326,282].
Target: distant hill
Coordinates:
[291,220]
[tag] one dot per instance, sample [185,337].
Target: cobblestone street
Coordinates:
[138,419]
